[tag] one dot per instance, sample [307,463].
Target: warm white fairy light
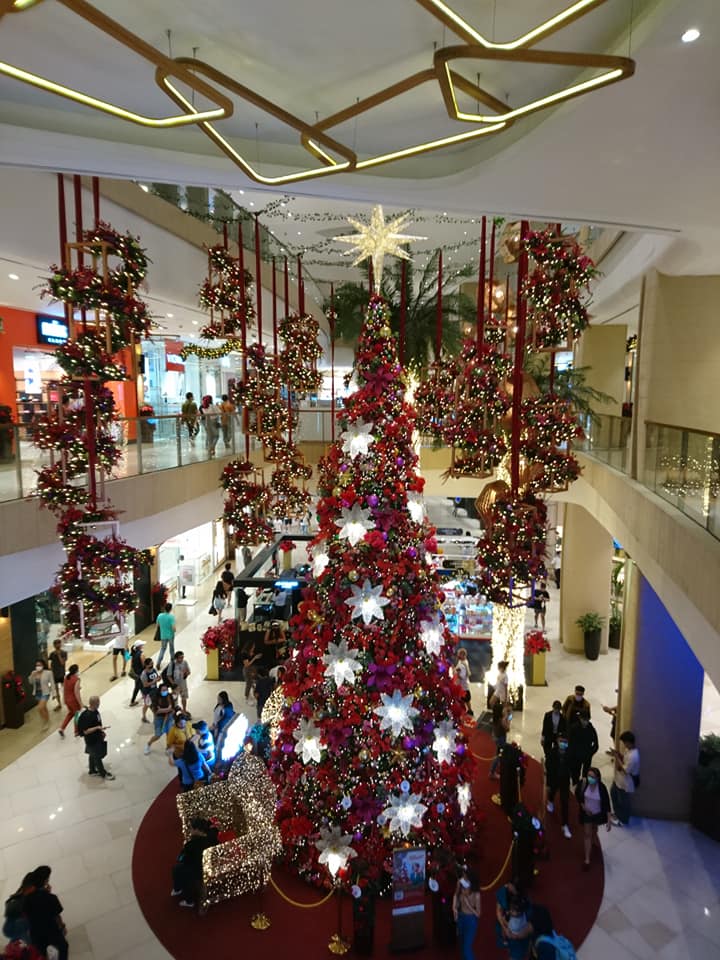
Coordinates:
[508,643]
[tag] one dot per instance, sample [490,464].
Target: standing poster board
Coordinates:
[408,908]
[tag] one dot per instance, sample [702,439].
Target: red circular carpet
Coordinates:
[573,897]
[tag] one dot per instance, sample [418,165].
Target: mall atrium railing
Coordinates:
[683,467]
[606,439]
[148,444]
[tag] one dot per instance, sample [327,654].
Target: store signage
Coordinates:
[408,894]
[173,360]
[51,330]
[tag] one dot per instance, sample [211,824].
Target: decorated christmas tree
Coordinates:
[370,753]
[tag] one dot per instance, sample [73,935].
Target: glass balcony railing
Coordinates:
[147,444]
[683,467]
[606,439]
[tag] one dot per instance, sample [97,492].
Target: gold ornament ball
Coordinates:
[385,331]
[337,492]
[354,576]
[363,755]
[390,592]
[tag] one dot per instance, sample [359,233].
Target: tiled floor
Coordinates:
[662,895]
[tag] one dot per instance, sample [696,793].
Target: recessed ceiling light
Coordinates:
[195,323]
[169,315]
[13,276]
[144,187]
[252,203]
[690,35]
[299,233]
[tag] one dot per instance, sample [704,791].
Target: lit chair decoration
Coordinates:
[245,805]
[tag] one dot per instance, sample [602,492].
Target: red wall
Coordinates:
[21,331]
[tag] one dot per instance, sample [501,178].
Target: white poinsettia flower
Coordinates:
[432,635]
[308,743]
[341,663]
[358,438]
[335,849]
[416,506]
[396,713]
[444,743]
[354,524]
[320,559]
[367,602]
[405,812]
[464,797]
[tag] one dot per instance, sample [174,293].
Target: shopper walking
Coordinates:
[148,681]
[189,416]
[553,725]
[557,567]
[252,655]
[187,873]
[44,913]
[15,924]
[462,675]
[41,681]
[582,747]
[467,907]
[178,673]
[90,726]
[177,735]
[166,632]
[574,705]
[137,665]
[227,419]
[217,604]
[57,662]
[513,928]
[557,773]
[542,598]
[228,579]
[162,716]
[210,414]
[501,691]
[71,696]
[119,650]
[594,802]
[626,779]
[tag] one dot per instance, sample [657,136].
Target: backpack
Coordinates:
[564,950]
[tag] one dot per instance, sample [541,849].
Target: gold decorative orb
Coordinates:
[260,921]
[385,331]
[337,492]
[354,576]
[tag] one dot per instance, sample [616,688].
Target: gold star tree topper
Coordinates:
[378,238]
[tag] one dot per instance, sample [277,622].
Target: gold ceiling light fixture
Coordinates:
[330,155]
[222,106]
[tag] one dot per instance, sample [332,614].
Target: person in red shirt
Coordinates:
[71,696]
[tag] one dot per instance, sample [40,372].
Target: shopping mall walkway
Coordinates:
[662,897]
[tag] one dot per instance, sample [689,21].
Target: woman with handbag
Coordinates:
[41,681]
[594,802]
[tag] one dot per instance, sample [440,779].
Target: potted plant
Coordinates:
[591,625]
[218,643]
[706,788]
[536,646]
[147,426]
[614,629]
[7,434]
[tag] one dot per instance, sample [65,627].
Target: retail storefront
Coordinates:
[187,561]
[167,377]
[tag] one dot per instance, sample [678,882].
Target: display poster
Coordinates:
[408,893]
[187,574]
[173,359]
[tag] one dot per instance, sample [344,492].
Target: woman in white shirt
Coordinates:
[41,681]
[210,413]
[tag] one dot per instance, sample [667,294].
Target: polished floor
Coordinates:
[662,895]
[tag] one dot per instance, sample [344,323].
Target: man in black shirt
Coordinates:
[43,910]
[91,728]
[188,871]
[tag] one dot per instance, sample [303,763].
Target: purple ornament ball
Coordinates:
[372,500]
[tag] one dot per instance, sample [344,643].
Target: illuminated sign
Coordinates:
[51,330]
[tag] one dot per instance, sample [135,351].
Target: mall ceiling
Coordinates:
[640,153]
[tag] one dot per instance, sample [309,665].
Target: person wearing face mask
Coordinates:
[594,802]
[557,772]
[467,907]
[553,725]
[41,681]
[626,779]
[574,706]
[163,716]
[582,747]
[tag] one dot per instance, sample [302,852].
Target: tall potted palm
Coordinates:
[591,625]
